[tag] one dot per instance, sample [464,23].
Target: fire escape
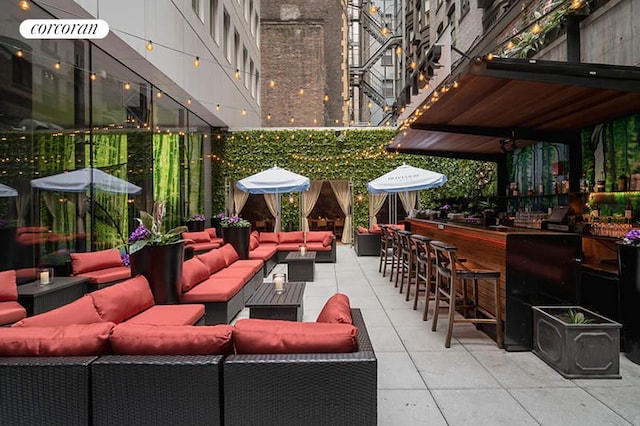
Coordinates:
[372,36]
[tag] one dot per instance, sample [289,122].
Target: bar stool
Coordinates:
[396,253]
[407,261]
[424,269]
[451,277]
[386,249]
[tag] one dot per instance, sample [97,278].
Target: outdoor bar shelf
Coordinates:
[536,268]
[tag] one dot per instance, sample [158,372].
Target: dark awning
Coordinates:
[524,100]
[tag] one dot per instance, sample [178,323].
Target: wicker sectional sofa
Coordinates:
[315,387]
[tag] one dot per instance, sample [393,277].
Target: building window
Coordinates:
[387,88]
[464,8]
[257,86]
[226,35]
[245,67]
[250,17]
[195,5]
[213,20]
[387,58]
[252,69]
[236,50]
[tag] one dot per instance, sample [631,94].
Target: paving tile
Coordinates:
[397,371]
[385,339]
[405,317]
[622,400]
[477,407]
[566,407]
[420,339]
[408,407]
[374,317]
[452,370]
[520,370]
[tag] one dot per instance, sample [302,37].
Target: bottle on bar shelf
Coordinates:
[628,211]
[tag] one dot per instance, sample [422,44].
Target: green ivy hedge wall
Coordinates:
[356,155]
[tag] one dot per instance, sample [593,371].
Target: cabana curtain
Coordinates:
[376,201]
[408,200]
[309,200]
[270,201]
[239,200]
[343,195]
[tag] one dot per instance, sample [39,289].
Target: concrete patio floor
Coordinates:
[420,382]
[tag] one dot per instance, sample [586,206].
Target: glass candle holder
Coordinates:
[303,250]
[45,275]
[278,282]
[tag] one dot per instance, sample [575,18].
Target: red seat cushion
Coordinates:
[291,237]
[316,236]
[203,247]
[102,276]
[254,242]
[11,311]
[328,239]
[136,339]
[289,246]
[230,254]
[214,290]
[79,311]
[8,286]
[269,237]
[169,315]
[197,237]
[123,300]
[255,264]
[214,260]
[211,232]
[318,247]
[336,310]
[244,273]
[92,261]
[256,336]
[66,340]
[193,273]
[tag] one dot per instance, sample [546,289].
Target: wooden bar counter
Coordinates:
[536,268]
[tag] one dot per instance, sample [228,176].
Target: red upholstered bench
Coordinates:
[103,268]
[201,242]
[10,310]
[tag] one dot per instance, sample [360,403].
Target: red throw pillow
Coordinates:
[256,336]
[136,339]
[230,254]
[197,237]
[269,237]
[193,273]
[92,261]
[256,234]
[291,237]
[80,311]
[315,236]
[254,242]
[328,239]
[66,340]
[376,228]
[214,259]
[336,310]
[121,301]
[362,230]
[211,232]
[8,286]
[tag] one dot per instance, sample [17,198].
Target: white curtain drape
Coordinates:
[50,201]
[309,200]
[239,199]
[81,211]
[376,201]
[408,200]
[343,195]
[22,207]
[272,205]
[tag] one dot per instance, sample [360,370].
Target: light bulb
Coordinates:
[456,84]
[490,57]
[159,95]
[244,112]
[57,65]
[127,86]
[398,50]
[236,75]
[24,5]
[196,62]
[19,53]
[189,101]
[293,120]
[373,9]
[326,98]
[218,107]
[413,65]
[536,29]
[93,76]
[301,92]
[149,46]
[510,45]
[384,30]
[268,116]
[272,84]
[576,4]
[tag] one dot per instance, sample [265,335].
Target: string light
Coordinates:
[325,99]
[399,50]
[293,120]
[93,76]
[576,4]
[196,62]
[57,65]
[301,92]
[189,101]
[159,95]
[127,86]
[149,46]
[510,45]
[24,5]
[218,107]
[373,9]
[385,30]
[19,53]
[490,57]
[272,84]
[413,65]
[536,29]
[244,111]
[268,116]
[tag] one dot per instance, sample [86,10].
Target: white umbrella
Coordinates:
[82,179]
[274,181]
[7,191]
[406,178]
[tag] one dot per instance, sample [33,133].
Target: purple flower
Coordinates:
[198,217]
[139,234]
[445,207]
[3,223]
[632,237]
[126,260]
[220,215]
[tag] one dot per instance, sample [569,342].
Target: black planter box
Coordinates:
[195,225]
[577,351]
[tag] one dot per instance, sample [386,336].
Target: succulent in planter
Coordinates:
[576,317]
[149,231]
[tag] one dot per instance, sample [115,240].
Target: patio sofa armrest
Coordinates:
[367,244]
[309,389]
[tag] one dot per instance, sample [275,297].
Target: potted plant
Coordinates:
[577,342]
[629,273]
[158,255]
[236,231]
[195,222]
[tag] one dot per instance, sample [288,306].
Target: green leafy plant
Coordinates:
[578,317]
[149,231]
[234,222]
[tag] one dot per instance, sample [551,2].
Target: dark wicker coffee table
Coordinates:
[37,298]
[301,268]
[266,304]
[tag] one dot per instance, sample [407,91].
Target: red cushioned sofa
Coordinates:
[221,281]
[203,241]
[103,268]
[257,372]
[10,310]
